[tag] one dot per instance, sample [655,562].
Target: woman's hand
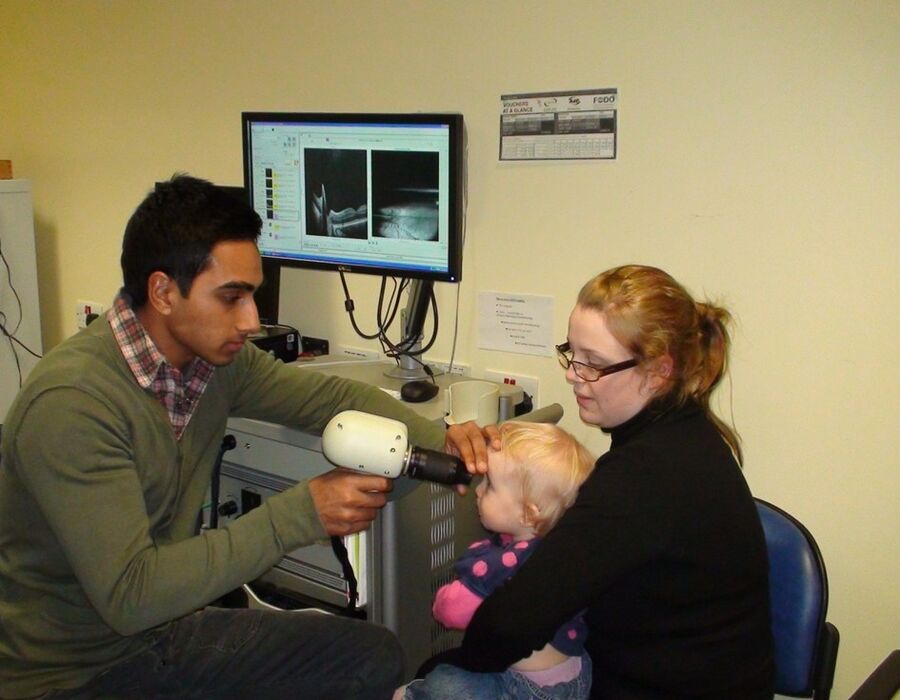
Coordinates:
[471,444]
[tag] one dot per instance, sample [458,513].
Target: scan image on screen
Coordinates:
[336,193]
[405,195]
[373,193]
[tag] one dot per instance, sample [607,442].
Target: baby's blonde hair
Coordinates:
[551,466]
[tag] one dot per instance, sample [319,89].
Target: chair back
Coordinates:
[805,644]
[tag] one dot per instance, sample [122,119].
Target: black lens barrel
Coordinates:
[439,467]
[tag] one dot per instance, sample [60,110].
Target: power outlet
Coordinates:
[86,309]
[356,353]
[441,367]
[528,384]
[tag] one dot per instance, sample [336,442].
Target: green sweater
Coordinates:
[99,503]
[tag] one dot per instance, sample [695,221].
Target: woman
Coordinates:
[662,547]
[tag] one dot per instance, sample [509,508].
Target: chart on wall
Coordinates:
[574,125]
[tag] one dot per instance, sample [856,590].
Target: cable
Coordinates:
[462,216]
[229,442]
[386,314]
[340,552]
[4,326]
[455,333]
[13,288]
[383,323]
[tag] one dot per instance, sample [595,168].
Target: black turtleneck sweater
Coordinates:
[664,549]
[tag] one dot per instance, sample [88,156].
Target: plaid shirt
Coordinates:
[179,392]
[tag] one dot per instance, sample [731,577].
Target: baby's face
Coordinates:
[500,498]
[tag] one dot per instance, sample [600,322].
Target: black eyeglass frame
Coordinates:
[565,362]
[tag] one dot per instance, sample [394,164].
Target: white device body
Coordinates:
[367,443]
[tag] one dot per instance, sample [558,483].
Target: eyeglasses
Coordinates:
[583,370]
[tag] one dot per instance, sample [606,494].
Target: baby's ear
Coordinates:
[531,514]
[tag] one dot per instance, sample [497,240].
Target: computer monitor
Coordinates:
[370,193]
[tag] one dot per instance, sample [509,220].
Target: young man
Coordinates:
[107,453]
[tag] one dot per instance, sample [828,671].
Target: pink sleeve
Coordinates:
[454,605]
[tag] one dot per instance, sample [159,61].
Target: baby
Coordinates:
[530,482]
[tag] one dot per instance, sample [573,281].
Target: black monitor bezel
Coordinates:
[455,195]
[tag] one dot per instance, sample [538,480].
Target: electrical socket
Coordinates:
[356,353]
[441,367]
[528,384]
[83,309]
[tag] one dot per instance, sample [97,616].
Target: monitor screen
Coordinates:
[372,193]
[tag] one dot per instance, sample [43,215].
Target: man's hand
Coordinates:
[347,501]
[471,444]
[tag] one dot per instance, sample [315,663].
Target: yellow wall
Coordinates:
[758,155]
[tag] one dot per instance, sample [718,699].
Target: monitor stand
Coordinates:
[413,322]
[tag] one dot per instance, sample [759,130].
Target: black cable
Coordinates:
[340,551]
[383,323]
[14,353]
[4,329]
[13,288]
[349,307]
[228,443]
[386,313]
[405,345]
[18,342]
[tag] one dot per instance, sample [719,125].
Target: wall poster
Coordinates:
[559,125]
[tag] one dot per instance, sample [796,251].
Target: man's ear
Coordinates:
[160,288]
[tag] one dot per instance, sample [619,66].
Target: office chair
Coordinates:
[884,682]
[805,644]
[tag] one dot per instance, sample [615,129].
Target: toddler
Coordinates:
[530,482]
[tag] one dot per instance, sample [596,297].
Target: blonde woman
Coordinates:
[663,547]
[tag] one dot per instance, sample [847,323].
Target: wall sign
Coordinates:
[559,125]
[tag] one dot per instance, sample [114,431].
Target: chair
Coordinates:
[884,682]
[805,644]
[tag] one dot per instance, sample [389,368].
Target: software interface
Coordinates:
[359,194]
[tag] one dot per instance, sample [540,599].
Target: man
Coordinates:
[107,453]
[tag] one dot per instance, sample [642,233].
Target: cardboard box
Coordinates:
[6,170]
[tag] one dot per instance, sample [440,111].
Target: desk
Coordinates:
[373,372]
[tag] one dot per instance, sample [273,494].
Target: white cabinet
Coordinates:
[19,311]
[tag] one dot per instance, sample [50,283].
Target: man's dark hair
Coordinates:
[174,229]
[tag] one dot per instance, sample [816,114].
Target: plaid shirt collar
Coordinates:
[179,392]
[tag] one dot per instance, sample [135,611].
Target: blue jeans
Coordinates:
[218,654]
[447,682]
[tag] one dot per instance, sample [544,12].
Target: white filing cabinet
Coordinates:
[18,280]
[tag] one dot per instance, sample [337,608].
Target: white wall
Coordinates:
[757,162]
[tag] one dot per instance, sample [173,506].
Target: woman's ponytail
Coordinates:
[714,342]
